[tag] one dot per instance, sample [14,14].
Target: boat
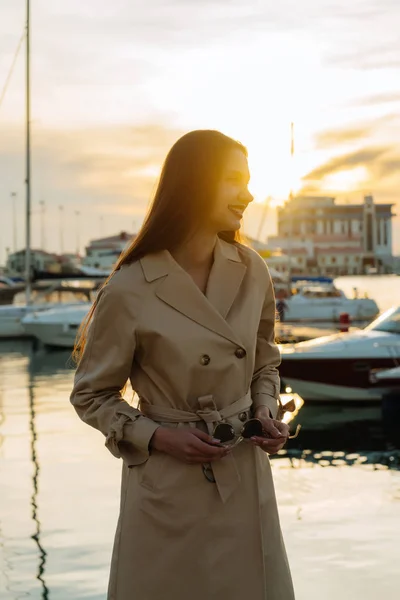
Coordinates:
[360,365]
[60,294]
[324,302]
[6,282]
[56,327]
[390,377]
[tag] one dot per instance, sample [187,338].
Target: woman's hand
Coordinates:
[189,445]
[276,432]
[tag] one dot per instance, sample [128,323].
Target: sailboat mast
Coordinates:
[290,211]
[28,275]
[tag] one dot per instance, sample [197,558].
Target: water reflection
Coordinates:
[72,547]
[35,481]
[346,427]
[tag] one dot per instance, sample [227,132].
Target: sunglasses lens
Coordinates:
[224,432]
[289,406]
[252,428]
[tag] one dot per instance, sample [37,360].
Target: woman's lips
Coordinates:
[237,210]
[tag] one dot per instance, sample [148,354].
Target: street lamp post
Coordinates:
[289,244]
[42,214]
[61,210]
[78,244]
[290,212]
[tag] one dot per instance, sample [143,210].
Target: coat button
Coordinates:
[242,417]
[205,360]
[240,352]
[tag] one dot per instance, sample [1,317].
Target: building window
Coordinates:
[369,234]
[322,260]
[378,231]
[385,232]
[333,259]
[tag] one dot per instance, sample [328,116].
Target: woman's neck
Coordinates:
[197,252]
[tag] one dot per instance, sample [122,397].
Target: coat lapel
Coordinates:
[226,276]
[181,293]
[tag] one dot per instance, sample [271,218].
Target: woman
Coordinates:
[188,317]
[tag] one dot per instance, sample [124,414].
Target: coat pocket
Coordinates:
[152,470]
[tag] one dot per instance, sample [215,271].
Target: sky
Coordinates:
[115,84]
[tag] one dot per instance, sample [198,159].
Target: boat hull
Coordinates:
[56,327]
[56,335]
[337,379]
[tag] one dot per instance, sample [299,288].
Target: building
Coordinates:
[257,245]
[327,238]
[41,262]
[103,253]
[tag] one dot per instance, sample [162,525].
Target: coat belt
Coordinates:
[226,473]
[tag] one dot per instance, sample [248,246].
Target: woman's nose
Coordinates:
[250,196]
[246,196]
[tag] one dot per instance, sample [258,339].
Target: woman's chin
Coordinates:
[233,225]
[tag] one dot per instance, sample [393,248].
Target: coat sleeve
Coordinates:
[102,373]
[265,386]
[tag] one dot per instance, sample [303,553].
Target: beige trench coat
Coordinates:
[192,359]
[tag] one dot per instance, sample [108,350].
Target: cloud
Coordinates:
[115,159]
[368,55]
[100,171]
[186,22]
[387,167]
[119,162]
[363,158]
[331,137]
[385,98]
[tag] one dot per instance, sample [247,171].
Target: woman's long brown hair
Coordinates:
[182,201]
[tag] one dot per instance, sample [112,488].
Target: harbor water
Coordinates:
[338,488]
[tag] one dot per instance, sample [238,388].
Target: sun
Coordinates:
[274,182]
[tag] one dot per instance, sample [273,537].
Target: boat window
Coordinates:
[321,293]
[389,322]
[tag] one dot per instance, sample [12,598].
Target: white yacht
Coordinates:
[361,365]
[325,303]
[56,327]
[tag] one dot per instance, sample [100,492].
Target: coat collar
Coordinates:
[177,289]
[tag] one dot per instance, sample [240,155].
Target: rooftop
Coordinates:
[329,202]
[124,236]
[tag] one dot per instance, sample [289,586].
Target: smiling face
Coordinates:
[233,195]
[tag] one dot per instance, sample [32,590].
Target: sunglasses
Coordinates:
[228,438]
[252,428]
